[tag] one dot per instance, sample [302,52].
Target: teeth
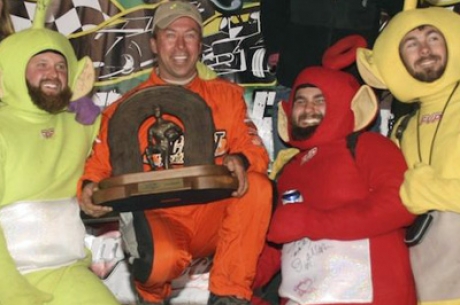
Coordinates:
[51,85]
[427,62]
[180,58]
[311,121]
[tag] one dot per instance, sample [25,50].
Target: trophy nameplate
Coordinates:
[198,181]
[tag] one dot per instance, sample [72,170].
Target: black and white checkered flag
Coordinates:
[65,16]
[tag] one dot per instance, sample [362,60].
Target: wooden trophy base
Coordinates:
[166,188]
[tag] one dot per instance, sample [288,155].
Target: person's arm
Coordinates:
[383,166]
[424,190]
[243,138]
[97,167]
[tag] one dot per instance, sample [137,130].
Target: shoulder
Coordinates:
[223,86]
[370,139]
[110,110]
[376,146]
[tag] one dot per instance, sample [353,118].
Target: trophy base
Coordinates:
[167,188]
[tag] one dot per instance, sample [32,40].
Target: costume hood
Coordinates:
[16,51]
[349,107]
[383,68]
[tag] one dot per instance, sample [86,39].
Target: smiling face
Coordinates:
[424,53]
[47,81]
[47,71]
[308,110]
[178,47]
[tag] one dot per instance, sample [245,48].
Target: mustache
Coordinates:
[305,116]
[428,57]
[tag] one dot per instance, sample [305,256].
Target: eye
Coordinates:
[319,100]
[435,37]
[170,34]
[410,44]
[62,67]
[299,100]
[191,35]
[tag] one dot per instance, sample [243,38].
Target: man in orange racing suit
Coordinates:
[233,230]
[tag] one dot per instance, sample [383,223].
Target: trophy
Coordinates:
[200,180]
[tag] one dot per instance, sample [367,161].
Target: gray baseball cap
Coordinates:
[169,11]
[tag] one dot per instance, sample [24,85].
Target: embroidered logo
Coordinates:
[431,118]
[47,133]
[310,154]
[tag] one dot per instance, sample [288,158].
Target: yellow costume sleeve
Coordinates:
[282,158]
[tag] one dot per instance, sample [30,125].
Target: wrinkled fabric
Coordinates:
[430,144]
[232,229]
[345,197]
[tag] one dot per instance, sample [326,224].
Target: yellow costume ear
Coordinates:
[410,4]
[283,124]
[84,79]
[367,68]
[364,106]
[442,2]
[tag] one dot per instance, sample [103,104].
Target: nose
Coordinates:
[425,48]
[53,72]
[180,42]
[309,107]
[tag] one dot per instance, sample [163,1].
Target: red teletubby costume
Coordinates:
[345,197]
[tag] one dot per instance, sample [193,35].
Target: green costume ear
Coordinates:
[204,72]
[367,68]
[364,106]
[84,79]
[40,14]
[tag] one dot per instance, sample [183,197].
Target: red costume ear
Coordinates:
[343,53]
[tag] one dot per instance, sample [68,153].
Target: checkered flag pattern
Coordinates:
[66,16]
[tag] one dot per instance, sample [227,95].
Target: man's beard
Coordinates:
[50,103]
[302,133]
[428,75]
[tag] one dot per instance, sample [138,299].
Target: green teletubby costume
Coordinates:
[42,255]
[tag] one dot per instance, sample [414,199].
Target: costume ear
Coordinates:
[283,124]
[367,68]
[84,79]
[410,4]
[364,106]
[442,2]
